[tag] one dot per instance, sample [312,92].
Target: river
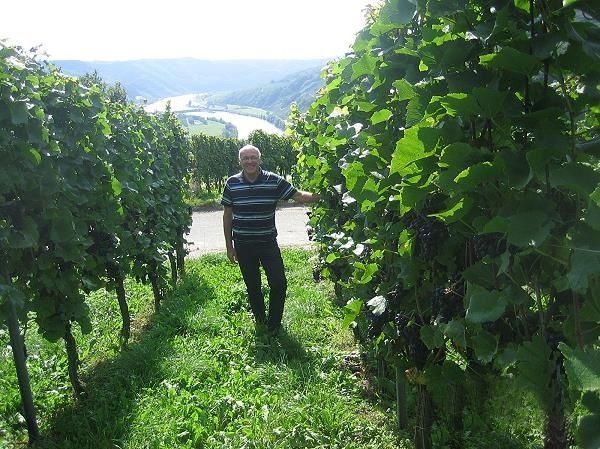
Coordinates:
[245,124]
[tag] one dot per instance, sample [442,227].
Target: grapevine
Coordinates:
[464,138]
[91,190]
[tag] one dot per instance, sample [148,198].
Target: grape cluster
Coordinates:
[394,297]
[553,338]
[102,241]
[366,254]
[401,321]
[500,329]
[430,234]
[418,353]
[562,300]
[391,216]
[332,199]
[309,229]
[13,211]
[335,272]
[341,219]
[493,327]
[410,334]
[376,323]
[445,304]
[488,245]
[317,274]
[566,205]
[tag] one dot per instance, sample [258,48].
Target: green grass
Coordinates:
[212,128]
[205,199]
[246,110]
[197,375]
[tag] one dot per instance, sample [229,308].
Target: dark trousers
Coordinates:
[251,255]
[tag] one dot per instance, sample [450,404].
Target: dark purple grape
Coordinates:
[430,234]
[553,338]
[317,274]
[401,320]
[445,304]
[566,204]
[418,353]
[391,216]
[394,298]
[430,237]
[488,245]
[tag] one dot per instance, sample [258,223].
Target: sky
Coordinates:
[216,29]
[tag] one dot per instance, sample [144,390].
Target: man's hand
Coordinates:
[232,255]
[306,197]
[227,223]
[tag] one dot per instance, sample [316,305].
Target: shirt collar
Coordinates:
[260,175]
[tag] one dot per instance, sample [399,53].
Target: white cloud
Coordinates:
[218,29]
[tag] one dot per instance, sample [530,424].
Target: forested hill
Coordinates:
[277,96]
[160,78]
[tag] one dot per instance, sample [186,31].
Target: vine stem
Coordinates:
[180,250]
[73,360]
[538,300]
[562,262]
[532,34]
[468,225]
[419,311]
[16,342]
[401,414]
[577,319]
[573,130]
[173,262]
[588,250]
[439,355]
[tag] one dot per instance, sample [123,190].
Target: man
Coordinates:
[249,201]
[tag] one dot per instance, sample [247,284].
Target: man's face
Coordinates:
[250,161]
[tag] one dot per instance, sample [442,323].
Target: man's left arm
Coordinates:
[306,197]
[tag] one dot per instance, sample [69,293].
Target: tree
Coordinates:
[116,93]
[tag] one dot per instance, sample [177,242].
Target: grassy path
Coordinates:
[198,376]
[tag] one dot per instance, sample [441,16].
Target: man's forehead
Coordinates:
[249,150]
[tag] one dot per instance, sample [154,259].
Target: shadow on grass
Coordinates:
[102,418]
[280,348]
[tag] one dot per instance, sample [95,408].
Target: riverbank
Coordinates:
[244,119]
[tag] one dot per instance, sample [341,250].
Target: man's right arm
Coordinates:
[227,231]
[306,197]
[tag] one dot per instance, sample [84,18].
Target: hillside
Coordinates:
[277,96]
[160,78]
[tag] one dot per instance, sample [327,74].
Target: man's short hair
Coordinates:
[248,147]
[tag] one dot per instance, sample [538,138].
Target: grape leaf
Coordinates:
[485,346]
[582,367]
[416,144]
[588,434]
[485,305]
[512,60]
[381,116]
[529,228]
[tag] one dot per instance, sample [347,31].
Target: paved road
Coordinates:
[206,234]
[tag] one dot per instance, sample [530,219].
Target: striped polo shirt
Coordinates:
[254,204]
